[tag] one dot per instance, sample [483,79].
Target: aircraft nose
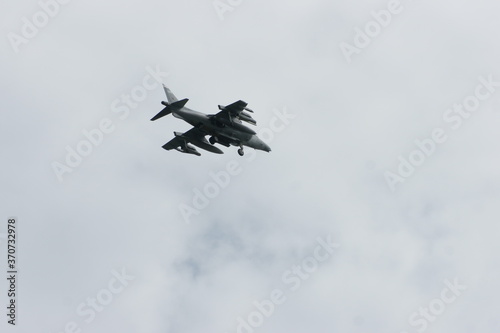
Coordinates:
[264,146]
[257,143]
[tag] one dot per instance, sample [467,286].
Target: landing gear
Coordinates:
[212,140]
[241,152]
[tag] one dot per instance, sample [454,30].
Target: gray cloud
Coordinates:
[325,176]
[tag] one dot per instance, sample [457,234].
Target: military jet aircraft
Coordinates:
[225,127]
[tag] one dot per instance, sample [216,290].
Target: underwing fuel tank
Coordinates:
[238,126]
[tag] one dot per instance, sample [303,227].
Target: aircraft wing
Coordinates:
[235,111]
[174,143]
[195,136]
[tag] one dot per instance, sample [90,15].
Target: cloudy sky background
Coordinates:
[324,177]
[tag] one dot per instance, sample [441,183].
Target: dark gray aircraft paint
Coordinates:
[224,128]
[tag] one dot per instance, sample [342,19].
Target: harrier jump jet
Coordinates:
[224,128]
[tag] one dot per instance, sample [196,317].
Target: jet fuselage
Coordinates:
[240,134]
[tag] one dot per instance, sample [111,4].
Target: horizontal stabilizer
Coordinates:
[169,107]
[162,113]
[179,104]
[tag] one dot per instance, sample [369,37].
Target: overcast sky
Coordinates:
[371,154]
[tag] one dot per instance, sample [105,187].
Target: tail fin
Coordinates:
[169,107]
[170,96]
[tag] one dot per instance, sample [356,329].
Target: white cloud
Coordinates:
[325,174]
